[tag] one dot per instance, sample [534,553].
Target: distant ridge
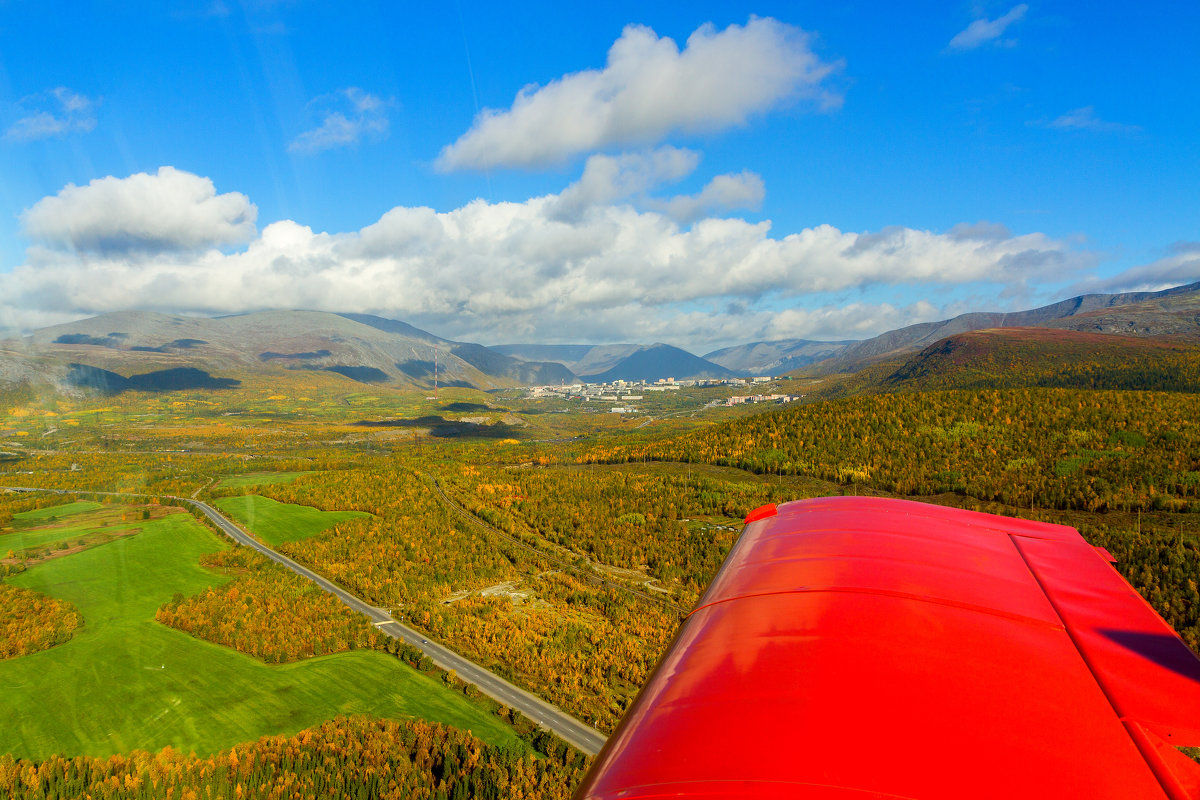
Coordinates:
[1077,313]
[392,326]
[528,372]
[106,353]
[581,359]
[110,351]
[566,354]
[999,358]
[605,363]
[776,357]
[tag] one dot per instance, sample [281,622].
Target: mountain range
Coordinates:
[97,352]
[629,362]
[1173,311]
[147,350]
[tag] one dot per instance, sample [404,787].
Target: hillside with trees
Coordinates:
[1097,460]
[1016,357]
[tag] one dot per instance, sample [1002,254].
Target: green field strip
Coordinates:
[82,525]
[276,523]
[125,681]
[259,479]
[41,515]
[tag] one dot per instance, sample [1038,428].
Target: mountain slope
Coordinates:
[776,357]
[1017,357]
[581,359]
[565,354]
[1090,308]
[660,361]
[359,347]
[487,360]
[490,362]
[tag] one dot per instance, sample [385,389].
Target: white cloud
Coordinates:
[495,271]
[170,210]
[632,176]
[743,190]
[1085,119]
[1180,267]
[607,179]
[984,30]
[648,89]
[848,321]
[54,113]
[347,117]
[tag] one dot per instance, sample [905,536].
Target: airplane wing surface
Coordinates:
[867,647]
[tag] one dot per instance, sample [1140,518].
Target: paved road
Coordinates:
[587,739]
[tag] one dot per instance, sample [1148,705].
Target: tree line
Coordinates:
[355,757]
[1057,448]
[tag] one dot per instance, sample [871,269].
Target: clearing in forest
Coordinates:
[126,682]
[276,523]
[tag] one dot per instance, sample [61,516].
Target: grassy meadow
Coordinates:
[276,523]
[61,530]
[257,479]
[126,682]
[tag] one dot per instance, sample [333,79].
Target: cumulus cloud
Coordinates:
[169,210]
[494,271]
[648,89]
[984,30]
[743,190]
[608,179]
[1085,119]
[54,113]
[1179,267]
[632,176]
[347,117]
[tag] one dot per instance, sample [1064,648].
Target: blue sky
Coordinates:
[815,170]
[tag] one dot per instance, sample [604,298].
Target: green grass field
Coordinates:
[47,526]
[259,479]
[125,681]
[41,515]
[276,523]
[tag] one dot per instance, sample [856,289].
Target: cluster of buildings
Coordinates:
[622,389]
[738,400]
[623,392]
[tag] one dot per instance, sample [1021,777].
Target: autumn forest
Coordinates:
[560,552]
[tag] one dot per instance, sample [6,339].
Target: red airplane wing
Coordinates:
[862,647]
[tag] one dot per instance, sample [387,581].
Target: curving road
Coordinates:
[584,737]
